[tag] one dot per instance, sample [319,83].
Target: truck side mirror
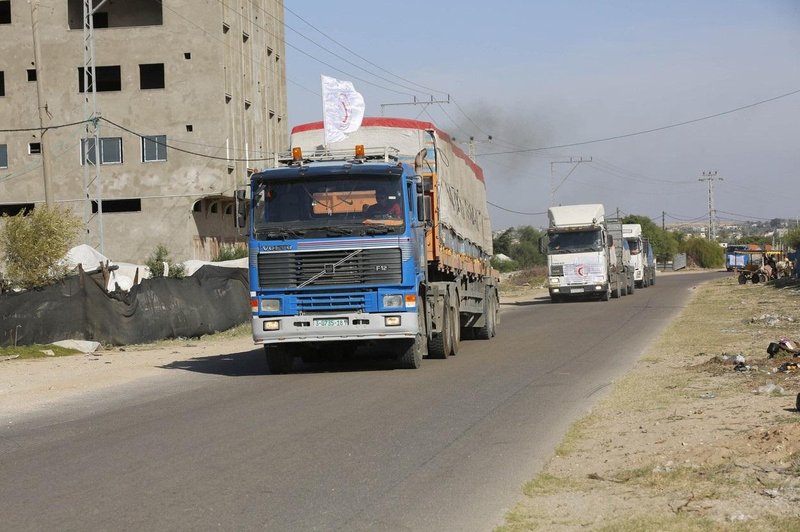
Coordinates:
[610,241]
[424,208]
[543,242]
[241,210]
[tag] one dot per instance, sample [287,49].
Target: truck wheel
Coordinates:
[412,353]
[631,287]
[653,278]
[441,342]
[605,296]
[279,359]
[487,330]
[455,338]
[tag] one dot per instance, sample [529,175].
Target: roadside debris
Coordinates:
[770,389]
[771,320]
[786,367]
[783,347]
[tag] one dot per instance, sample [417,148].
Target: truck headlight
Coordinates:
[393,301]
[270,305]
[272,325]
[555,280]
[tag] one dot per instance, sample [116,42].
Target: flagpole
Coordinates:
[324,128]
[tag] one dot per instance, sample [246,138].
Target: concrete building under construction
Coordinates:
[190,97]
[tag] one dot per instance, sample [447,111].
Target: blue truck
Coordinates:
[384,241]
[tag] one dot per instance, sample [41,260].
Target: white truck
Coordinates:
[581,255]
[642,260]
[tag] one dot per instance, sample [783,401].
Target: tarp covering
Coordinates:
[213,299]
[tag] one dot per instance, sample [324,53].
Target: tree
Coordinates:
[34,245]
[792,238]
[704,253]
[503,241]
[160,264]
[665,243]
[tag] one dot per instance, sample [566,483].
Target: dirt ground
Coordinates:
[683,442]
[687,441]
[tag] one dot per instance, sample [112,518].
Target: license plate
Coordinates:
[577,290]
[337,322]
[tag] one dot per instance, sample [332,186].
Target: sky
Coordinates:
[535,75]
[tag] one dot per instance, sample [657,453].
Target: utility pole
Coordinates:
[573,161]
[710,177]
[424,103]
[41,103]
[471,151]
[92,125]
[663,226]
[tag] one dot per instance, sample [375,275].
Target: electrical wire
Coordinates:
[359,56]
[167,145]
[44,128]
[647,131]
[515,212]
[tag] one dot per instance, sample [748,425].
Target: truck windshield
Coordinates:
[575,241]
[633,243]
[323,206]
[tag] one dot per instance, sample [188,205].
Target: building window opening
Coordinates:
[110,150]
[5,12]
[189,128]
[127,14]
[3,155]
[151,76]
[34,147]
[109,79]
[214,209]
[119,205]
[154,148]
[100,19]
[2,83]
[187,55]
[31,74]
[198,206]
[13,209]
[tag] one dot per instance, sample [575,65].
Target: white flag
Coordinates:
[343,109]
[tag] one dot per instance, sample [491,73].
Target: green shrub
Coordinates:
[704,253]
[156,264]
[34,245]
[230,252]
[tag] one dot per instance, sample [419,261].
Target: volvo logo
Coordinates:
[279,247]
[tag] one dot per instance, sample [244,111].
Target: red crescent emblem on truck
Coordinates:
[581,270]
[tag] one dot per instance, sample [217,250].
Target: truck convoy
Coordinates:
[623,249]
[642,260]
[384,241]
[581,254]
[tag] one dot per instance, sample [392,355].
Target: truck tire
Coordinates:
[279,359]
[441,343]
[605,296]
[631,285]
[487,330]
[455,338]
[616,293]
[412,352]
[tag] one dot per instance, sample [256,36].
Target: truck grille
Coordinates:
[332,267]
[331,303]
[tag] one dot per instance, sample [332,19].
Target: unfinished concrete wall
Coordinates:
[206,87]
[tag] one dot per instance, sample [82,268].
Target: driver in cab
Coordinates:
[387,206]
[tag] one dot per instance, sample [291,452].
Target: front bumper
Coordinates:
[359,326]
[579,290]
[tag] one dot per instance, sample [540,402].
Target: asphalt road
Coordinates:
[360,446]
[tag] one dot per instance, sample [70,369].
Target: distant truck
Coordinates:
[623,249]
[642,259]
[581,254]
[384,241]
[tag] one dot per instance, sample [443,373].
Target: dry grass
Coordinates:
[682,442]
